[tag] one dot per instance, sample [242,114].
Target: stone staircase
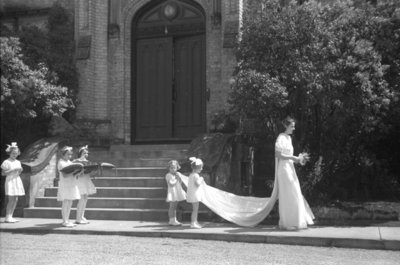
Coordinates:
[135,190]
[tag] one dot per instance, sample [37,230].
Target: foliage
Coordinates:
[224,122]
[26,94]
[258,96]
[44,54]
[61,48]
[54,46]
[330,67]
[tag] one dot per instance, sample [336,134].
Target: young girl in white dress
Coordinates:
[68,186]
[194,191]
[294,212]
[85,186]
[12,168]
[175,192]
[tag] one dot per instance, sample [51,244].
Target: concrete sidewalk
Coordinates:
[369,237]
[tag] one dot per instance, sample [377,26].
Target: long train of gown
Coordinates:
[242,210]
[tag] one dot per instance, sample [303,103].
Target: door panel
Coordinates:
[189,105]
[154,93]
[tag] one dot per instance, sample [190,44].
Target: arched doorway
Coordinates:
[168,70]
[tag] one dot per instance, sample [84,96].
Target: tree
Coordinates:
[26,95]
[53,45]
[327,65]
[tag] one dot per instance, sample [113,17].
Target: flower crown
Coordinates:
[83,148]
[12,146]
[195,161]
[65,149]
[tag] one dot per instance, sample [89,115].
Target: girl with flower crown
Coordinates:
[85,186]
[68,186]
[12,168]
[194,191]
[175,192]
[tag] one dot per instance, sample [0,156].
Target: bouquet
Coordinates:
[304,158]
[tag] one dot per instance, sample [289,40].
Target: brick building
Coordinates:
[156,70]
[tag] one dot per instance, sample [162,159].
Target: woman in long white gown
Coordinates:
[294,212]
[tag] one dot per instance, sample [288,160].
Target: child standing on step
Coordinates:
[68,186]
[175,192]
[12,168]
[194,190]
[85,186]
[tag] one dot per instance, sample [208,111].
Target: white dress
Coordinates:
[194,188]
[294,211]
[13,183]
[68,184]
[85,183]
[175,191]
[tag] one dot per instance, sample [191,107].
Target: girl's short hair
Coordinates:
[174,162]
[65,149]
[83,148]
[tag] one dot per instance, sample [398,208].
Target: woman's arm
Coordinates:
[281,155]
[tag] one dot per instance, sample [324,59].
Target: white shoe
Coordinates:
[68,224]
[174,223]
[83,222]
[195,225]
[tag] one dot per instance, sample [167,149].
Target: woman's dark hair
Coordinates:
[287,121]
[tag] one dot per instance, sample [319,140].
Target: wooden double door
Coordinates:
[170,88]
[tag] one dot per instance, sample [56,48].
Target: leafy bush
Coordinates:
[324,65]
[26,94]
[48,83]
[53,45]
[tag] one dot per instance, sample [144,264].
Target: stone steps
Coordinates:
[130,181]
[135,190]
[112,214]
[122,192]
[110,202]
[129,162]
[124,203]
[136,172]
[135,154]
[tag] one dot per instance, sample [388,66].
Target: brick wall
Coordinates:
[93,72]
[105,78]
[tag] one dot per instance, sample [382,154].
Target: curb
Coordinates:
[243,238]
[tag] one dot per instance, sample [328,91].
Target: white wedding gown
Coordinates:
[241,210]
[294,212]
[249,211]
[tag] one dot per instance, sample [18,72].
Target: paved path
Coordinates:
[369,237]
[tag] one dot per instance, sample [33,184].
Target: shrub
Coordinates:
[324,65]
[26,95]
